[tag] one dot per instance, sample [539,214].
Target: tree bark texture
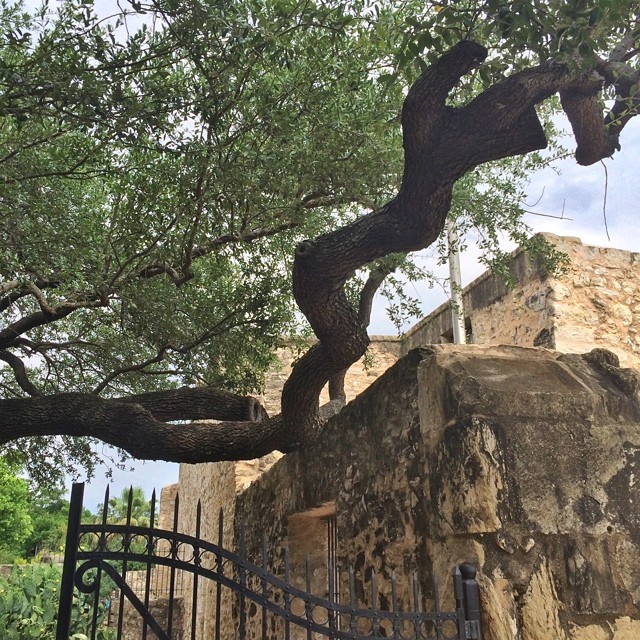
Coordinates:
[441,144]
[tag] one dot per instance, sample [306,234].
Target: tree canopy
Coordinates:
[177,177]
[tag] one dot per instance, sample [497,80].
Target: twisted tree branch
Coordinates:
[441,144]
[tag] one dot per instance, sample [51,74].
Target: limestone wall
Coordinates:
[494,313]
[598,302]
[382,353]
[167,503]
[522,461]
[595,304]
[214,486]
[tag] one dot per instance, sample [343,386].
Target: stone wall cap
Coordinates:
[529,383]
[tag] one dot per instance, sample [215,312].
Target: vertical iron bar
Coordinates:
[353,623]
[123,570]
[416,606]
[287,595]
[375,620]
[96,602]
[307,603]
[394,605]
[243,584]
[264,587]
[219,569]
[331,614]
[336,567]
[174,557]
[332,550]
[332,572]
[69,565]
[102,547]
[196,562]
[329,550]
[150,550]
[436,605]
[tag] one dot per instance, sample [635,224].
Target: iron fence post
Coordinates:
[471,599]
[69,566]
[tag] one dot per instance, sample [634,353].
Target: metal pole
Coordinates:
[457,308]
[69,566]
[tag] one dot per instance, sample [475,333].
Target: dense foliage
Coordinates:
[33,520]
[16,524]
[49,511]
[29,606]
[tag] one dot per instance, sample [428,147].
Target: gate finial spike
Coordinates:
[176,509]
[105,505]
[152,517]
[198,518]
[129,505]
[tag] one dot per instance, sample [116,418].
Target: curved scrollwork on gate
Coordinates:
[110,548]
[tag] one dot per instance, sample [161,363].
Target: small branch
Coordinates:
[42,301]
[157,269]
[604,199]
[33,144]
[370,288]
[14,290]
[40,318]
[376,277]
[154,270]
[159,357]
[247,236]
[220,327]
[70,172]
[20,373]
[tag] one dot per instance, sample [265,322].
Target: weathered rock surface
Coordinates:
[523,461]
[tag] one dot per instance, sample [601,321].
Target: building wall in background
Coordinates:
[595,304]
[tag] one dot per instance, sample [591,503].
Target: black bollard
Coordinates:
[471,598]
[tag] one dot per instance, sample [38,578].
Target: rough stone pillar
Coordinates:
[532,461]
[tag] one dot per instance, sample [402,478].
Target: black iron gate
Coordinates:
[264,605]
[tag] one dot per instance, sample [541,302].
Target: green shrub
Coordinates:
[29,606]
